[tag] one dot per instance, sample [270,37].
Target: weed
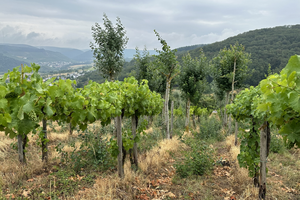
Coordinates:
[196,161]
[92,152]
[209,128]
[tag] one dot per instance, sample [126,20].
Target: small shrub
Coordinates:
[148,141]
[196,161]
[92,152]
[209,129]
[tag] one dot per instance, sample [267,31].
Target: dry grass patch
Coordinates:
[148,131]
[158,156]
[61,137]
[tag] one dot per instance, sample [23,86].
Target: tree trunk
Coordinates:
[172,119]
[167,108]
[225,109]
[119,141]
[263,160]
[70,129]
[235,133]
[194,121]
[255,134]
[163,113]
[232,95]
[134,122]
[44,142]
[187,115]
[21,150]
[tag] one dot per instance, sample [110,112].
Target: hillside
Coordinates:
[7,63]
[272,46]
[29,53]
[69,52]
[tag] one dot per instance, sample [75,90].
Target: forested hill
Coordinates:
[272,46]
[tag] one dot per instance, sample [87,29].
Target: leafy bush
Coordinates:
[196,161]
[92,152]
[209,129]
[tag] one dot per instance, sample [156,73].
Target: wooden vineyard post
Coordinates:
[20,149]
[263,160]
[172,119]
[134,122]
[119,141]
[44,142]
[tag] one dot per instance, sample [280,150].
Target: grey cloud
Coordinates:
[181,23]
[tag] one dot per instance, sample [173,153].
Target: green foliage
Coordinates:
[272,46]
[66,182]
[192,79]
[277,144]
[179,112]
[197,160]
[93,152]
[166,59]
[249,156]
[281,93]
[244,108]
[109,45]
[223,67]
[209,129]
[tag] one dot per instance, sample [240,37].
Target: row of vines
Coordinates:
[273,103]
[25,101]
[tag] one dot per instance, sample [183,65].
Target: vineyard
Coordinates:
[146,137]
[59,142]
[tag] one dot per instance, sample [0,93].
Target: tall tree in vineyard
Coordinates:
[169,67]
[108,48]
[230,70]
[192,81]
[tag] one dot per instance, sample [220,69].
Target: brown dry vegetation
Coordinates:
[156,178]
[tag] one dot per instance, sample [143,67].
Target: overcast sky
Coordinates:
[67,23]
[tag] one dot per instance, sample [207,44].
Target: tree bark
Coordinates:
[263,160]
[44,142]
[232,95]
[70,129]
[172,119]
[225,109]
[235,133]
[194,121]
[119,141]
[163,113]
[134,123]
[187,115]
[167,108]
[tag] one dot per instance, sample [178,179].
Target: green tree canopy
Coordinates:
[108,48]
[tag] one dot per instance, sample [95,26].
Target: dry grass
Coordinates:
[283,177]
[158,156]
[112,187]
[148,131]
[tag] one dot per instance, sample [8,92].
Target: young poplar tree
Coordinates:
[230,70]
[110,42]
[192,81]
[169,67]
[108,50]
